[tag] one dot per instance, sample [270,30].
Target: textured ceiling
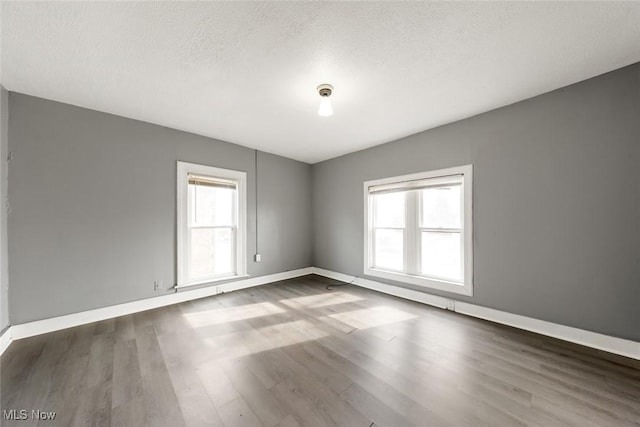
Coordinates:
[247,72]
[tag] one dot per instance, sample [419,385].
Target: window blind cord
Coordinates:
[330,287]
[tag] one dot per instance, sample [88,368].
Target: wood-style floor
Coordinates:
[297,354]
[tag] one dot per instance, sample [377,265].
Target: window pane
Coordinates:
[389,249]
[441,255]
[211,206]
[389,209]
[441,207]
[211,252]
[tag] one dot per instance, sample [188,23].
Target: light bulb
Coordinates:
[325,109]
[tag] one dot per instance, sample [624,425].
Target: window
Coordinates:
[211,224]
[418,229]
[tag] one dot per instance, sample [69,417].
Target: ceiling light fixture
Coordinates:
[325,109]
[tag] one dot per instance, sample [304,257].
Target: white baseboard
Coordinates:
[38,327]
[397,291]
[607,343]
[5,340]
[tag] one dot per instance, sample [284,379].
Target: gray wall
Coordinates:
[4,146]
[556,202]
[93,207]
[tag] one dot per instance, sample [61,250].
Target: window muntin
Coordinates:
[211,212]
[419,229]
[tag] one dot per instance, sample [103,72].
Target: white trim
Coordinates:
[456,170]
[441,285]
[607,343]
[183,170]
[595,340]
[5,340]
[464,174]
[211,281]
[397,291]
[38,327]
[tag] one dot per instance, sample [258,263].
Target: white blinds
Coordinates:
[418,184]
[211,181]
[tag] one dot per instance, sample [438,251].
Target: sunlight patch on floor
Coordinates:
[321,300]
[219,315]
[245,343]
[372,317]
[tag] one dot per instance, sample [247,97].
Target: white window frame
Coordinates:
[411,257]
[184,170]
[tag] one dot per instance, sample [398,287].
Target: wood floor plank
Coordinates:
[127,399]
[95,406]
[381,414]
[295,353]
[261,400]
[237,413]
[304,409]
[323,372]
[160,401]
[69,379]
[193,399]
[216,383]
[290,421]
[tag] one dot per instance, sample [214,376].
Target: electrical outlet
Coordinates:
[157,285]
[257,257]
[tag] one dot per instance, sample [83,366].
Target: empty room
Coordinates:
[287,214]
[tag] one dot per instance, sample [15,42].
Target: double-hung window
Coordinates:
[418,229]
[211,224]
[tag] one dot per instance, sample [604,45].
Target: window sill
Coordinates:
[440,285]
[212,281]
